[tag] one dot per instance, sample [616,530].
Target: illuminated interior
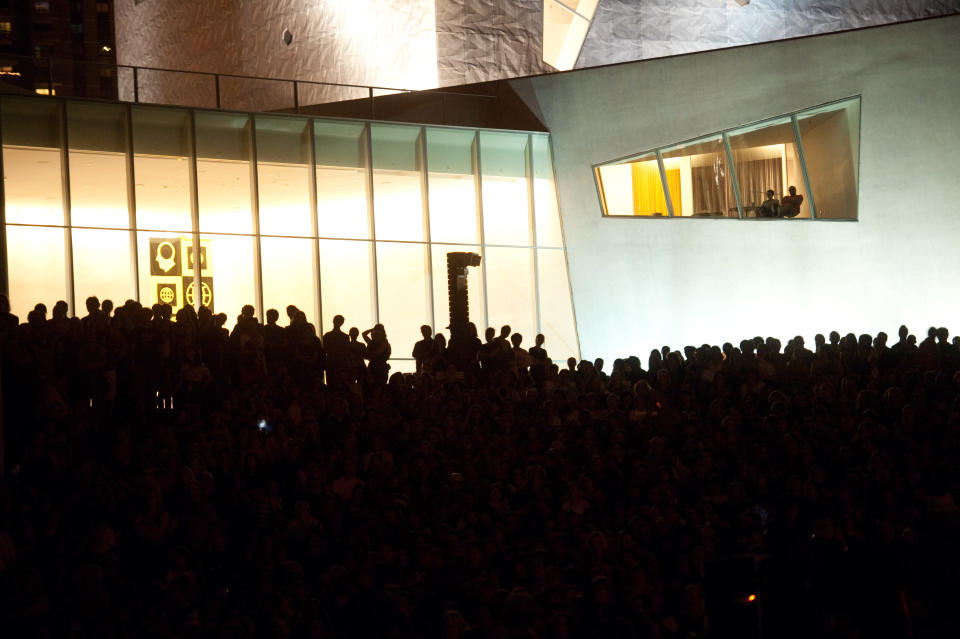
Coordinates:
[700,181]
[357,224]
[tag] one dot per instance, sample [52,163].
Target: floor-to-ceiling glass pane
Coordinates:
[97,139]
[32,161]
[101,266]
[705,186]
[634,187]
[283,159]
[556,306]
[36,268]
[227,276]
[224,172]
[452,185]
[403,293]
[341,179]
[506,217]
[546,210]
[441,293]
[510,291]
[831,147]
[346,283]
[161,167]
[397,192]
[767,165]
[287,267]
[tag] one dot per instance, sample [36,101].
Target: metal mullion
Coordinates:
[663,182]
[132,205]
[4,273]
[67,217]
[425,201]
[194,214]
[255,214]
[371,223]
[803,165]
[478,189]
[732,174]
[532,222]
[315,221]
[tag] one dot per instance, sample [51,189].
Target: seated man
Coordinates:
[770,206]
[790,205]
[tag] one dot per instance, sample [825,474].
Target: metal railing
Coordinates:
[228,91]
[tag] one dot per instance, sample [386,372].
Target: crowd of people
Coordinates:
[166,477]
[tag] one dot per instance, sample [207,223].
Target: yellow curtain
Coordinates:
[648,193]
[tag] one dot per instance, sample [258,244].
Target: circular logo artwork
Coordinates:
[206,295]
[166,295]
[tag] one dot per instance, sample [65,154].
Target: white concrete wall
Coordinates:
[639,283]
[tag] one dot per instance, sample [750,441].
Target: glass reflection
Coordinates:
[705,186]
[546,209]
[510,290]
[287,267]
[36,268]
[99,258]
[403,292]
[346,282]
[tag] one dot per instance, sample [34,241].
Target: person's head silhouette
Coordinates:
[426,331]
[338,321]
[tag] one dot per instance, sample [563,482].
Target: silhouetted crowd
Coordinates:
[175,479]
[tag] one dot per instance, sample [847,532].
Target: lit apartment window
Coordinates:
[6,26]
[800,165]
[103,7]
[45,91]
[41,5]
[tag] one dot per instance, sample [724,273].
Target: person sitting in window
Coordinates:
[770,206]
[790,205]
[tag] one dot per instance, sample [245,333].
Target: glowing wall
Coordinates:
[639,283]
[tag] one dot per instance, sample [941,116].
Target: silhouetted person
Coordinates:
[423,349]
[356,353]
[790,204]
[770,206]
[521,359]
[378,352]
[336,344]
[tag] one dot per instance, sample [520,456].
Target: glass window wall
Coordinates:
[224,177]
[830,137]
[705,186]
[452,185]
[224,173]
[556,309]
[346,283]
[403,292]
[283,159]
[32,163]
[767,166]
[36,268]
[288,268]
[510,283]
[341,155]
[397,184]
[546,209]
[161,167]
[98,165]
[506,215]
[775,174]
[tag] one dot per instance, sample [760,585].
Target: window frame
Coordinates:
[724,134]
